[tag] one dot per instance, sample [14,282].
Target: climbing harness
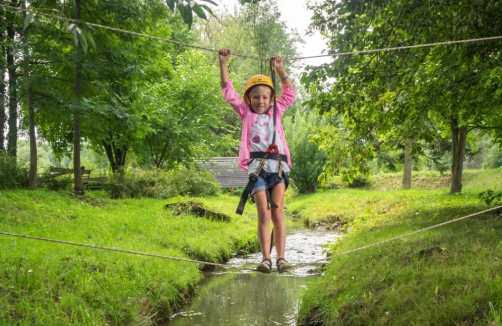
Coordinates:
[272,152]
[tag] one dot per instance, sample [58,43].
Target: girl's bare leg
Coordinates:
[264,216]
[278,219]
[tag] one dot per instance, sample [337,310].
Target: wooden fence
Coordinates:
[227,171]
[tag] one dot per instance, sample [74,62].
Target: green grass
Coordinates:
[45,283]
[446,276]
[473,180]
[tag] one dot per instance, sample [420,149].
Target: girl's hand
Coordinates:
[224,55]
[278,63]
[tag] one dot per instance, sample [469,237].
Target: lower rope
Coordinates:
[250,269]
[401,236]
[116,250]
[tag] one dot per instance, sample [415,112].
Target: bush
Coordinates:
[55,183]
[360,181]
[308,159]
[161,184]
[489,196]
[12,175]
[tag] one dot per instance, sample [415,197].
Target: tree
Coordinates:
[32,182]
[12,89]
[394,92]
[114,76]
[234,30]
[3,71]
[185,117]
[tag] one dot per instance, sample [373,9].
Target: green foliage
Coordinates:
[268,35]
[12,174]
[255,29]
[187,7]
[492,157]
[160,184]
[489,196]
[360,181]
[422,93]
[308,159]
[184,116]
[55,183]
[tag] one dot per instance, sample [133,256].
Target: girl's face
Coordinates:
[260,98]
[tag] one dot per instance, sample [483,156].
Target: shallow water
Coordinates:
[235,297]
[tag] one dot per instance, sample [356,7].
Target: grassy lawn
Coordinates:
[445,276]
[45,283]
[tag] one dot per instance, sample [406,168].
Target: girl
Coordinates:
[256,114]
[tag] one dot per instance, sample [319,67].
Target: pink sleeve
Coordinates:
[286,99]
[234,99]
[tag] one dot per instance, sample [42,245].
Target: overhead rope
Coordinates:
[333,54]
[405,47]
[127,32]
[252,269]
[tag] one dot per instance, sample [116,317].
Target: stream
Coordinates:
[240,298]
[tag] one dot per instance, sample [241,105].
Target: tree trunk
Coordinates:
[32,182]
[79,186]
[116,156]
[3,70]
[408,161]
[11,67]
[459,138]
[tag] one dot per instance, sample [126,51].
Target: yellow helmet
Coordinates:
[255,81]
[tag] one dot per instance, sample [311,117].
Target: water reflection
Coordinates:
[232,297]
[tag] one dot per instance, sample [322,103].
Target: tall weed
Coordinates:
[494,317]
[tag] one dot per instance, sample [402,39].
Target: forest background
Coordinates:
[76,95]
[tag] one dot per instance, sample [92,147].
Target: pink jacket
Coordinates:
[248,119]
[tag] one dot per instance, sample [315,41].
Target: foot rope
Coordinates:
[242,267]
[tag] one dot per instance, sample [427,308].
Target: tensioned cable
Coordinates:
[490,38]
[402,236]
[117,250]
[128,32]
[252,269]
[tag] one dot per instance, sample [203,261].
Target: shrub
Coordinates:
[308,159]
[55,183]
[162,184]
[359,181]
[12,175]
[489,196]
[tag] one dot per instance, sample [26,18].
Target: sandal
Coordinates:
[264,267]
[283,266]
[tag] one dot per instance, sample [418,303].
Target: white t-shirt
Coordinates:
[261,138]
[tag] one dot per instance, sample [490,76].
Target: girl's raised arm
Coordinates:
[224,55]
[285,80]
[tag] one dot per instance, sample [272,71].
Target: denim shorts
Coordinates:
[262,184]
